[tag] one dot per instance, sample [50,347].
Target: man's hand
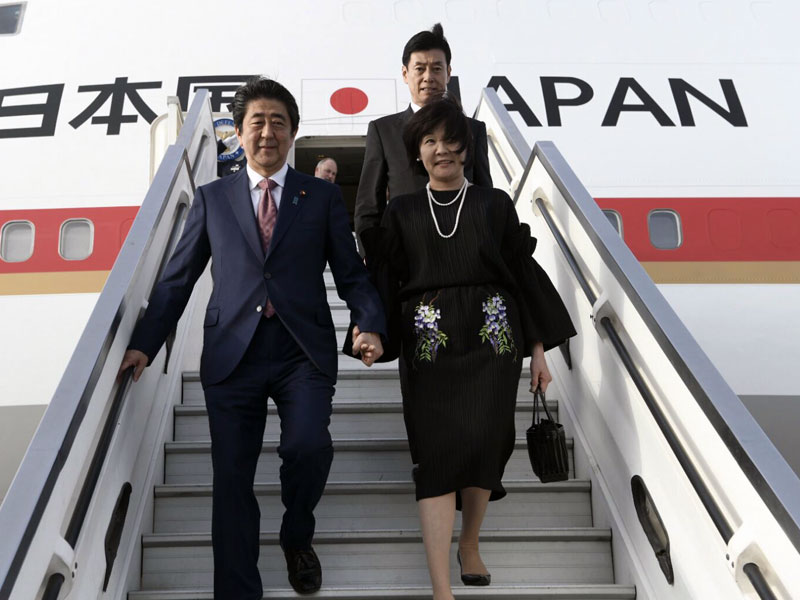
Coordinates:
[368,344]
[135,359]
[540,374]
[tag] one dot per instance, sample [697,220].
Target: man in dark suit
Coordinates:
[386,172]
[268,331]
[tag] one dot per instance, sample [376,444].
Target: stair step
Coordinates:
[365,384]
[538,592]
[353,460]
[360,506]
[344,375]
[393,557]
[357,420]
[537,542]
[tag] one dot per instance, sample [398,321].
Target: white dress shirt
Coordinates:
[255,192]
[414,107]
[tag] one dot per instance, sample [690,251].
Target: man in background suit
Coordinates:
[326,169]
[386,172]
[268,331]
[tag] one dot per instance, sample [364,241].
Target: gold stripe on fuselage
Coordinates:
[75,282]
[724,271]
[57,282]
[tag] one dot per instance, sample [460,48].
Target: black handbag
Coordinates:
[547,444]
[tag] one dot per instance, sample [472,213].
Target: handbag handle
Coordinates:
[537,393]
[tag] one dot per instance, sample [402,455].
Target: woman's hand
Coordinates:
[368,344]
[540,374]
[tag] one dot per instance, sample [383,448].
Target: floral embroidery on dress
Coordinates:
[429,336]
[496,329]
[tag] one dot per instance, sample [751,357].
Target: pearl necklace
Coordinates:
[431,201]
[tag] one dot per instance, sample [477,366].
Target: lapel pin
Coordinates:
[302,192]
[294,200]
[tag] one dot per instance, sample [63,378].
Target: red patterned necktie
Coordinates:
[267,216]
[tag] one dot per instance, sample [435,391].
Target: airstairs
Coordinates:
[539,542]
[675,492]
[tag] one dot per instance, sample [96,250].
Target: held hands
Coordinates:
[540,374]
[368,344]
[135,359]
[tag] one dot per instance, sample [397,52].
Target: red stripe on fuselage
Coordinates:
[715,229]
[111,225]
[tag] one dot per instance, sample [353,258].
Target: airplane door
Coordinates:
[347,151]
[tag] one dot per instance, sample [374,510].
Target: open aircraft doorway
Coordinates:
[346,150]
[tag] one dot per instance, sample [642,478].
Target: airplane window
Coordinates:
[725,229]
[76,240]
[665,229]
[11,18]
[784,228]
[615,219]
[16,241]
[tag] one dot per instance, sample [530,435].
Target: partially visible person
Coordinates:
[269,232]
[326,169]
[386,172]
[465,302]
[230,155]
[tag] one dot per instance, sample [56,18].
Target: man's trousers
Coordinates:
[273,366]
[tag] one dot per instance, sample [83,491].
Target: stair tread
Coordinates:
[152,540]
[392,443]
[382,557]
[350,406]
[344,374]
[376,487]
[608,591]
[369,525]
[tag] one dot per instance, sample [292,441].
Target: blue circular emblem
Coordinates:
[225,131]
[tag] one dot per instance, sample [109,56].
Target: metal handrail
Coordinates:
[499,159]
[62,421]
[720,522]
[711,506]
[759,584]
[766,470]
[508,128]
[57,580]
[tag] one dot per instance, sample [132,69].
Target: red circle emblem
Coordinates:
[349,100]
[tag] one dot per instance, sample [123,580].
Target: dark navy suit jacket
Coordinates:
[312,229]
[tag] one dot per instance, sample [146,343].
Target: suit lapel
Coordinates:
[410,181]
[292,199]
[404,116]
[242,205]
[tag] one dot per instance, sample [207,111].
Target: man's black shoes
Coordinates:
[305,573]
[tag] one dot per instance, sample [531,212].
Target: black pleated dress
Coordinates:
[462,314]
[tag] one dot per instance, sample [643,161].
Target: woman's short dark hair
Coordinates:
[256,88]
[446,113]
[427,40]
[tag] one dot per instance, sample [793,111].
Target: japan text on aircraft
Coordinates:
[557,93]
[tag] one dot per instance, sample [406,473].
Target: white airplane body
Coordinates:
[675,105]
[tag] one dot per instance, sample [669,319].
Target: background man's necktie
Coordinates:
[267,216]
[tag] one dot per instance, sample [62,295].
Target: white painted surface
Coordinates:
[750,332]
[17,424]
[597,42]
[522,40]
[778,416]
[38,334]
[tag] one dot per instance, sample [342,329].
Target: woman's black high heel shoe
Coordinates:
[471,579]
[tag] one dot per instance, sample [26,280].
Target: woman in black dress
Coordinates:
[466,302]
